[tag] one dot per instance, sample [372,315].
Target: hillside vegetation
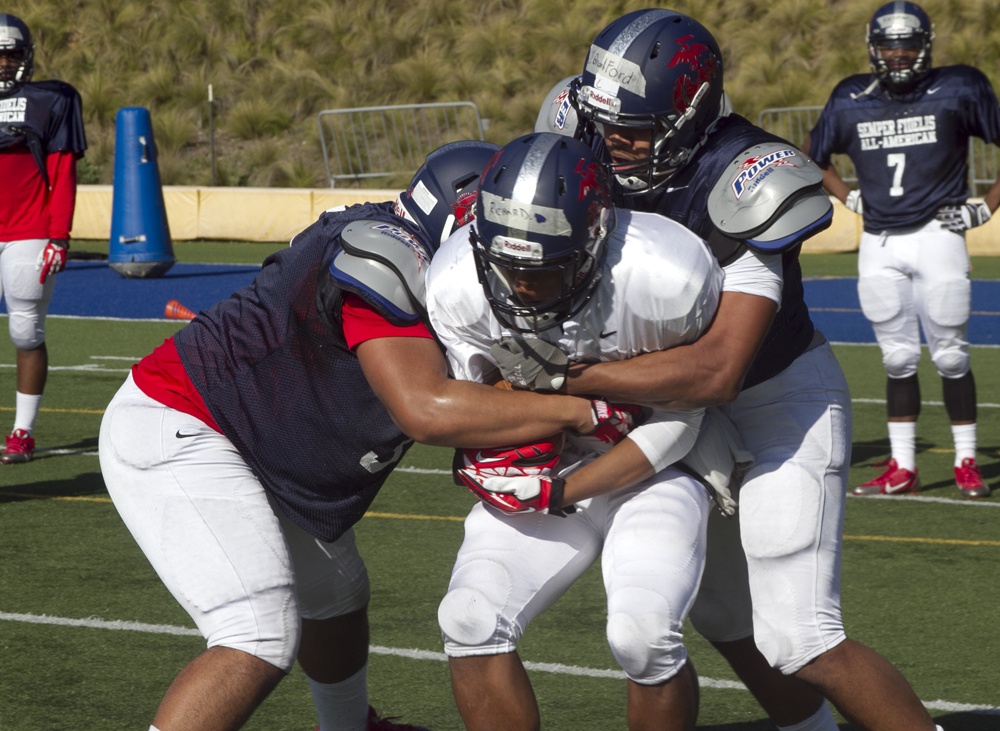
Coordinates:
[273,65]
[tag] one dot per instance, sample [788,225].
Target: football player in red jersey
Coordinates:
[41,138]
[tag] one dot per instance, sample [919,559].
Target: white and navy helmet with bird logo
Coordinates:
[544,211]
[658,70]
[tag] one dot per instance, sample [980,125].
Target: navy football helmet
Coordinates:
[16,44]
[655,70]
[543,217]
[441,196]
[899,45]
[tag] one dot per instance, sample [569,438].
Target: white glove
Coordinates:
[963,217]
[719,458]
[853,202]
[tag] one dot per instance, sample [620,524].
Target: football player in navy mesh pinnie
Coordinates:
[906,127]
[41,139]
[241,451]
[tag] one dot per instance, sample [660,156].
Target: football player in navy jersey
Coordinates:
[241,451]
[651,94]
[906,127]
[41,138]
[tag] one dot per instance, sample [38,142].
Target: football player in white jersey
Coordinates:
[549,257]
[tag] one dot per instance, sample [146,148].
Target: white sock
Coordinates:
[342,706]
[903,441]
[27,411]
[965,442]
[822,720]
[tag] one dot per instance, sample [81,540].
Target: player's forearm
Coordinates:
[466,414]
[624,465]
[61,169]
[708,372]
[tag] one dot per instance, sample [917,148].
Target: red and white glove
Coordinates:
[612,423]
[521,460]
[52,260]
[515,494]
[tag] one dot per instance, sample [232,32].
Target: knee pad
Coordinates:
[471,614]
[791,524]
[900,360]
[952,362]
[330,577]
[27,330]
[468,621]
[880,300]
[645,636]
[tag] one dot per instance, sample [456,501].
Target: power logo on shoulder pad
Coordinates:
[755,169]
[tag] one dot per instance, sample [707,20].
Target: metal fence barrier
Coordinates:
[380,142]
[794,123]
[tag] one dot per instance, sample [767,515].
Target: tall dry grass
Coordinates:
[273,65]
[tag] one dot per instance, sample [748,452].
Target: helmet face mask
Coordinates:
[16,54]
[441,195]
[899,45]
[543,217]
[654,70]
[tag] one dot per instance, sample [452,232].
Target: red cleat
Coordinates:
[894,481]
[970,482]
[20,448]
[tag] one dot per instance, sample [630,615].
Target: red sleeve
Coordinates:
[363,322]
[61,168]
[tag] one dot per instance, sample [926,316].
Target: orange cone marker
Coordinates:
[176,311]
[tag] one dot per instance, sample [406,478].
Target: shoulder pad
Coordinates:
[385,265]
[771,197]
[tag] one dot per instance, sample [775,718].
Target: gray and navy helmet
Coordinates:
[15,42]
[441,195]
[900,25]
[658,70]
[543,217]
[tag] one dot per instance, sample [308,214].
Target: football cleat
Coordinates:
[20,447]
[894,481]
[378,723]
[970,482]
